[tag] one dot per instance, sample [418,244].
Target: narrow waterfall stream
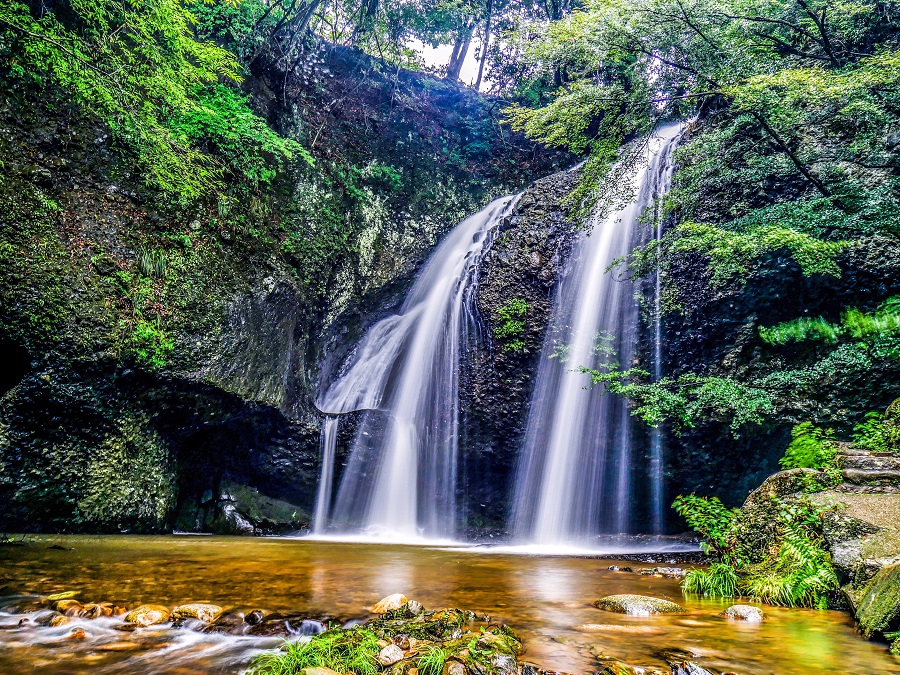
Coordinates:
[574,479]
[400,479]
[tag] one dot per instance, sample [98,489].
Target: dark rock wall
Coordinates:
[523,264]
[128,400]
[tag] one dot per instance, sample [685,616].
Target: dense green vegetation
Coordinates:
[787,172]
[794,571]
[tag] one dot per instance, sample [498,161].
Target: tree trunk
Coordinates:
[460,50]
[487,39]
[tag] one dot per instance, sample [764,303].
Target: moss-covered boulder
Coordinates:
[892,426]
[878,611]
[638,605]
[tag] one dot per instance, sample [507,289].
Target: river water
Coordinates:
[546,599]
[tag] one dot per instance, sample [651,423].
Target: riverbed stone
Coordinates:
[747,613]
[390,655]
[147,615]
[454,668]
[689,668]
[197,610]
[319,670]
[389,603]
[638,605]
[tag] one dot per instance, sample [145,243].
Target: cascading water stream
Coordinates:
[330,429]
[574,479]
[400,479]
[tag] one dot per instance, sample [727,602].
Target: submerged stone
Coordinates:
[747,613]
[638,605]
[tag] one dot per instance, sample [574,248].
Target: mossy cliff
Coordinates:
[159,347]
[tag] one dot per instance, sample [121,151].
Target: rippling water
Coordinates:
[546,599]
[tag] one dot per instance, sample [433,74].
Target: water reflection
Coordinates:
[546,599]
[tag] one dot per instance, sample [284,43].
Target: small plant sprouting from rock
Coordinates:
[152,264]
[511,327]
[151,344]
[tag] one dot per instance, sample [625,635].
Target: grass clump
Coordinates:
[152,264]
[431,660]
[344,651]
[720,580]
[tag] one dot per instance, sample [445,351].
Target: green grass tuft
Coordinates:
[344,651]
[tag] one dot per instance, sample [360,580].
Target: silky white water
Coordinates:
[574,478]
[401,476]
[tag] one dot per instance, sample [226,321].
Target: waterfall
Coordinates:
[400,478]
[574,478]
[330,428]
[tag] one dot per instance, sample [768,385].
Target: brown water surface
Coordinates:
[545,599]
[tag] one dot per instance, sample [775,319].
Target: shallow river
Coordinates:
[545,599]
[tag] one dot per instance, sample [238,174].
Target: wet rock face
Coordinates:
[245,325]
[516,283]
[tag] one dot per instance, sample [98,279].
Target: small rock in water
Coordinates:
[67,606]
[77,634]
[58,620]
[638,605]
[254,617]
[669,572]
[689,668]
[390,603]
[147,615]
[204,612]
[390,655]
[744,613]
